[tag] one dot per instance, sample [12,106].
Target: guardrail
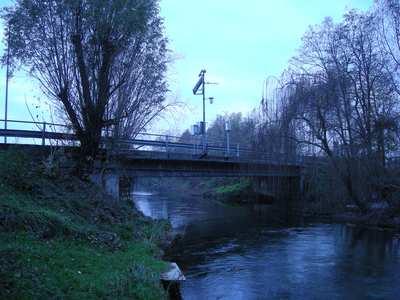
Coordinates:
[46,133]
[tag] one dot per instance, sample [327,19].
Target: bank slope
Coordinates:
[61,237]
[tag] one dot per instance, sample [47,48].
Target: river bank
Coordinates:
[63,237]
[239,192]
[234,191]
[383,220]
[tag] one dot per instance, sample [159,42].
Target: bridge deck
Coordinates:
[157,164]
[138,157]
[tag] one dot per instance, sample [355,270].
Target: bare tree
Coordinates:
[388,13]
[338,97]
[103,62]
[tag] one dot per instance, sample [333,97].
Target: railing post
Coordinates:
[237,150]
[44,134]
[166,143]
[227,144]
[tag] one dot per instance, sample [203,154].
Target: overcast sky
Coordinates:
[239,43]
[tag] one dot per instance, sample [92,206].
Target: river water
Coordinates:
[245,253]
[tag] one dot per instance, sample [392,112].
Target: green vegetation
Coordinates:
[238,191]
[61,237]
[233,188]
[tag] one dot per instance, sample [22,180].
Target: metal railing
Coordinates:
[46,133]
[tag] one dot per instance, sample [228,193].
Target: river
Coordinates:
[244,253]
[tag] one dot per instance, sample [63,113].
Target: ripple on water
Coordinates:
[230,254]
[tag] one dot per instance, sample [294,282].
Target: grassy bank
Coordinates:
[239,191]
[227,190]
[236,192]
[61,237]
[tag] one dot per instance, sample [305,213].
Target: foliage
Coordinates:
[234,188]
[235,191]
[241,130]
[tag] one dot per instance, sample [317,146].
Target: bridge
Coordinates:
[154,155]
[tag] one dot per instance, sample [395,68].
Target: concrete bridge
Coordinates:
[150,155]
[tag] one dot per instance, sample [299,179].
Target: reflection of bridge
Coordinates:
[160,155]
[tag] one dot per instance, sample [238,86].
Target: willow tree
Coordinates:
[345,103]
[101,61]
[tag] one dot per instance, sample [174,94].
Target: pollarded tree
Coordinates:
[101,61]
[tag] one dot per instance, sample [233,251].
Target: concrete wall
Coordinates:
[109,182]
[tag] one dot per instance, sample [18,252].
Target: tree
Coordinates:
[339,88]
[242,130]
[101,61]
[388,12]
[275,131]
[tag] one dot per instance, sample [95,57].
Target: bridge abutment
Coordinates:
[115,184]
[109,182]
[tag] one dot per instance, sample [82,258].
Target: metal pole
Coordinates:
[166,145]
[204,114]
[44,134]
[7,77]
[227,143]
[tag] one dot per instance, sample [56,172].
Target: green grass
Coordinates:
[234,192]
[234,188]
[62,238]
[58,268]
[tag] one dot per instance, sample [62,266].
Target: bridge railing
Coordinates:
[37,133]
[46,133]
[173,144]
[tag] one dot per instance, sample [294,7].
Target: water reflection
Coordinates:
[238,253]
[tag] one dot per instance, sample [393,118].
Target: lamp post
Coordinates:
[200,89]
[201,85]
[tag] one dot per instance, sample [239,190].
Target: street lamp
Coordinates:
[200,89]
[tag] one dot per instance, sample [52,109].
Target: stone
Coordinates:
[173,273]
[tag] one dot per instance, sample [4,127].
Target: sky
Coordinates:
[239,43]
